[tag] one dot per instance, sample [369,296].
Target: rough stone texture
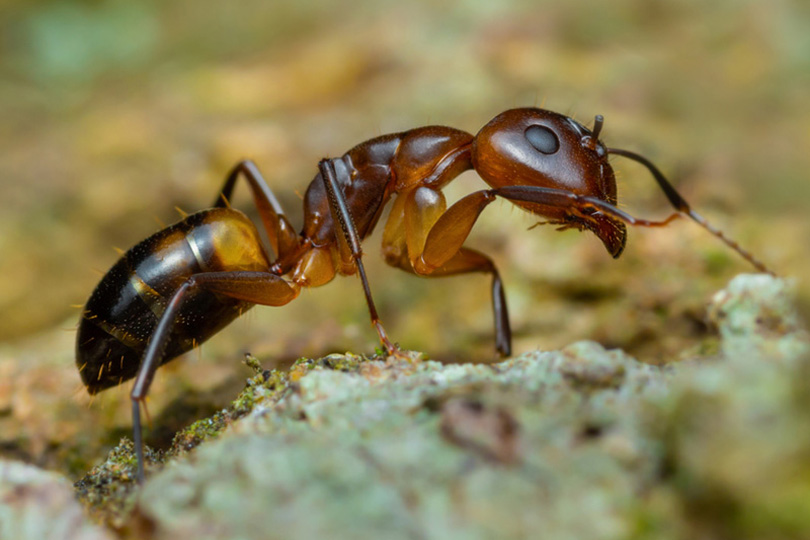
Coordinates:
[578,443]
[36,504]
[735,443]
[756,318]
[404,449]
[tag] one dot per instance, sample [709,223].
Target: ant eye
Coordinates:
[543,139]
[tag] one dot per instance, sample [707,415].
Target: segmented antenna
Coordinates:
[683,207]
[729,242]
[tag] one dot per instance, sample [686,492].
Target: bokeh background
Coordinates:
[113,113]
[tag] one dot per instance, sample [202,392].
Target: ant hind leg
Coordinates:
[280,232]
[254,287]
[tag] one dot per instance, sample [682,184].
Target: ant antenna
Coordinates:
[598,122]
[680,204]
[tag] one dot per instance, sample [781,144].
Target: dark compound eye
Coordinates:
[543,139]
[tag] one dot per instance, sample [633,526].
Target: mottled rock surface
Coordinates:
[36,504]
[577,443]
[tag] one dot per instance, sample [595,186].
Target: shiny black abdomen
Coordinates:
[125,307]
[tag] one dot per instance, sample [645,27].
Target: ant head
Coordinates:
[535,147]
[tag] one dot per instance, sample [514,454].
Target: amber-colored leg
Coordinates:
[280,232]
[255,287]
[414,217]
[341,215]
[442,245]
[453,226]
[451,229]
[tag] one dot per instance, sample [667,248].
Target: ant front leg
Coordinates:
[281,234]
[424,238]
[588,208]
[439,240]
[253,287]
[577,205]
[348,234]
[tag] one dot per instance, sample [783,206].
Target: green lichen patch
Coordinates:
[108,490]
[198,432]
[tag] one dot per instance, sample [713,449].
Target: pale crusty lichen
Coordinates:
[581,442]
[756,318]
[36,504]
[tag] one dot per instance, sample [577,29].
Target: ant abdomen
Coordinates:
[124,309]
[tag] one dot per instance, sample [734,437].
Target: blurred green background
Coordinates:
[116,112]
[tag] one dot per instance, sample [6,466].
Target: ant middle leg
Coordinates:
[349,240]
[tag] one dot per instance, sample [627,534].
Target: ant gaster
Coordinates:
[183,284]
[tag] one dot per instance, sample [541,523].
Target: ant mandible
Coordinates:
[183,284]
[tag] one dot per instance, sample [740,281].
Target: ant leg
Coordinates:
[254,287]
[442,251]
[257,184]
[468,260]
[577,204]
[680,204]
[280,232]
[413,220]
[451,229]
[341,214]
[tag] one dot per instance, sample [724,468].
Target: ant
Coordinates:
[183,284]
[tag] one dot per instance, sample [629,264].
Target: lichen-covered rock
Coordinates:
[402,449]
[37,504]
[109,489]
[578,443]
[757,318]
[734,432]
